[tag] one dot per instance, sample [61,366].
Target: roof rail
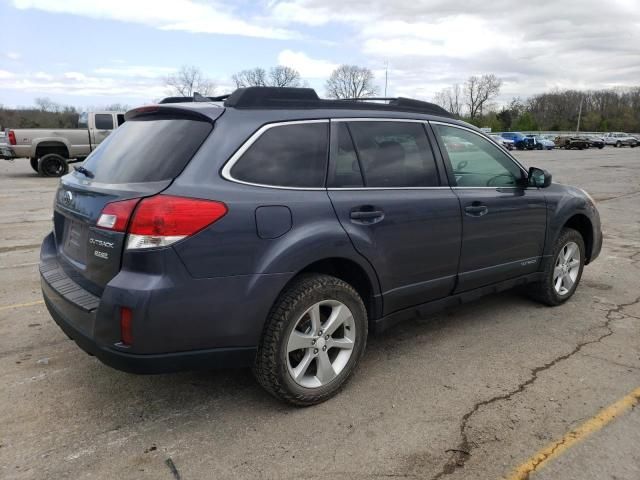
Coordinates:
[301,98]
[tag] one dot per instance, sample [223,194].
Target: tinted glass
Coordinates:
[120,119]
[147,149]
[394,154]
[104,121]
[345,170]
[476,162]
[286,156]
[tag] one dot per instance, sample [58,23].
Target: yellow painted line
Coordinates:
[555,449]
[20,305]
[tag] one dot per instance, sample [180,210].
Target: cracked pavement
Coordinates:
[471,392]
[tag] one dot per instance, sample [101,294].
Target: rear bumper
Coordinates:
[179,323]
[149,363]
[6,153]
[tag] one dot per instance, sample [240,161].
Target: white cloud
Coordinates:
[82,85]
[307,66]
[135,71]
[185,15]
[13,55]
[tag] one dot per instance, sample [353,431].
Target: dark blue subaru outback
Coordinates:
[273,229]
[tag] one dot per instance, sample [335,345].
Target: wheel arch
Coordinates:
[583,225]
[352,272]
[51,146]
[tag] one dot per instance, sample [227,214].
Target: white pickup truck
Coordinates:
[50,150]
[619,139]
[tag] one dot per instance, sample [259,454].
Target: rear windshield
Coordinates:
[147,149]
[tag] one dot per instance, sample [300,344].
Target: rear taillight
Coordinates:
[115,216]
[164,219]
[12,137]
[161,220]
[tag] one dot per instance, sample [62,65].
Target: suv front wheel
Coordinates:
[312,341]
[563,272]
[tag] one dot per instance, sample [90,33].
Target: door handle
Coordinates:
[476,210]
[366,215]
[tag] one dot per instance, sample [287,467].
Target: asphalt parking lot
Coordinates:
[476,392]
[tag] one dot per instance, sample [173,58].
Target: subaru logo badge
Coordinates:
[67,198]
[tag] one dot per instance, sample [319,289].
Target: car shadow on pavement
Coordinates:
[230,390]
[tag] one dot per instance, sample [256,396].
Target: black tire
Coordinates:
[544,291]
[34,164]
[53,165]
[600,147]
[539,146]
[618,144]
[271,364]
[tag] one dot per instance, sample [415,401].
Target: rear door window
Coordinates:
[147,149]
[104,121]
[394,154]
[293,155]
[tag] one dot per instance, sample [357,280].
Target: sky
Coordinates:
[84,52]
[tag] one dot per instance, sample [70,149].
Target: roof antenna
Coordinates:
[199,98]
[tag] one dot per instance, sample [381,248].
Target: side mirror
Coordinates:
[539,178]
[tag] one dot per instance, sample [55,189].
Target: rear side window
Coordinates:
[120,119]
[394,154]
[286,156]
[104,121]
[147,149]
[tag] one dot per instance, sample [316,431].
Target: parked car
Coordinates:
[594,142]
[505,142]
[619,139]
[50,150]
[281,229]
[571,141]
[519,140]
[541,143]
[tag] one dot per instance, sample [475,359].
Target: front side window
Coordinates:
[475,161]
[292,155]
[104,121]
[393,154]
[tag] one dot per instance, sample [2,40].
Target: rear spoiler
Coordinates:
[208,114]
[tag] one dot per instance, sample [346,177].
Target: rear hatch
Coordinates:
[139,159]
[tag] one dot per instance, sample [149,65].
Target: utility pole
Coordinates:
[579,114]
[386,76]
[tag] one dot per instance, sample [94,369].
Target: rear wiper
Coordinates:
[84,171]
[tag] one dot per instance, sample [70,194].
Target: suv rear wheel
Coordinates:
[34,163]
[563,273]
[313,339]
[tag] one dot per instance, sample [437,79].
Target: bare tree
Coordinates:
[255,77]
[450,99]
[351,81]
[45,104]
[283,76]
[190,79]
[280,76]
[479,91]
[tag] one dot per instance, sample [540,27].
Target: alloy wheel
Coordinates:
[567,268]
[321,343]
